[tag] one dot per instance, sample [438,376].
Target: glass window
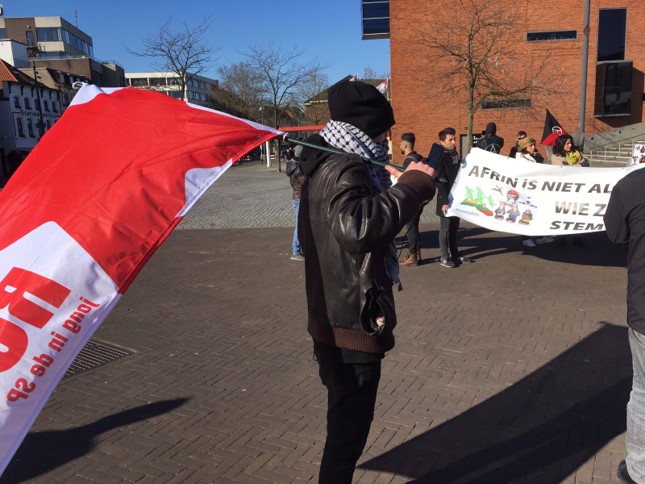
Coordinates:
[30,128]
[16,102]
[551,35]
[157,81]
[46,105]
[376,18]
[612,30]
[27,103]
[140,82]
[54,107]
[30,38]
[174,81]
[174,94]
[21,129]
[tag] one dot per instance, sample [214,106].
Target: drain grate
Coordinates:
[95,354]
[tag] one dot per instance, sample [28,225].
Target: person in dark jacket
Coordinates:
[625,222]
[490,141]
[349,217]
[412,228]
[447,170]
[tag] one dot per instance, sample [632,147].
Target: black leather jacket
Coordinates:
[344,229]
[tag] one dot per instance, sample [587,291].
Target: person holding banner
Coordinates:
[350,215]
[447,170]
[565,152]
[625,223]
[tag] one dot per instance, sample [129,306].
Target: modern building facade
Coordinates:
[62,46]
[27,111]
[549,38]
[199,89]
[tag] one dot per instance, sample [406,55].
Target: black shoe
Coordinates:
[622,474]
[463,260]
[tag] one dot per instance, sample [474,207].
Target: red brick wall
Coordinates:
[423,109]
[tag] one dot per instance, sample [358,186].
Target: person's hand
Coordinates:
[415,165]
[444,209]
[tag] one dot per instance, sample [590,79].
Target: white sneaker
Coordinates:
[528,243]
[544,240]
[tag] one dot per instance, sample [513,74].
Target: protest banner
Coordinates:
[520,197]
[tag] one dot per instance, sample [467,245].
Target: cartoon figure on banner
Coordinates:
[500,211]
[512,215]
[526,218]
[509,205]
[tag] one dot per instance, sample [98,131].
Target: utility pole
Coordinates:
[585,62]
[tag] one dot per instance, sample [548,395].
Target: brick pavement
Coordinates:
[512,369]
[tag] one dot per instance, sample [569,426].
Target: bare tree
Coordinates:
[282,73]
[308,94]
[472,54]
[243,88]
[182,52]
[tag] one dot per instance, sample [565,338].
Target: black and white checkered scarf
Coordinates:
[350,139]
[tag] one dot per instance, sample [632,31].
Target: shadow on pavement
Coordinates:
[541,429]
[478,242]
[42,452]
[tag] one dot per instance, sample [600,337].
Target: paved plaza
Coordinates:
[514,368]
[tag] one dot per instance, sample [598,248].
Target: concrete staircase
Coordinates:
[614,147]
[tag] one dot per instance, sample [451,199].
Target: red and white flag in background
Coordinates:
[382,87]
[88,207]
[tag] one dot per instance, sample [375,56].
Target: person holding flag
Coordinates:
[349,216]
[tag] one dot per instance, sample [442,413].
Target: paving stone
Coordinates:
[514,366]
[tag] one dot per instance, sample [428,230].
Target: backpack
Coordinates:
[293,168]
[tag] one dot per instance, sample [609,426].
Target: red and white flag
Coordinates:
[382,87]
[88,207]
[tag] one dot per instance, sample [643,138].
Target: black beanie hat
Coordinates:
[361,105]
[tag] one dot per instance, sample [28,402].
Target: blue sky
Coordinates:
[326,30]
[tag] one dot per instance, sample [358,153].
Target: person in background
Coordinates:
[625,223]
[350,214]
[490,141]
[520,136]
[412,228]
[447,170]
[565,152]
[527,150]
[296,179]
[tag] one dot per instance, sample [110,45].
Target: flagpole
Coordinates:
[329,149]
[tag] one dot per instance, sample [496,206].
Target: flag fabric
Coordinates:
[354,78]
[382,87]
[532,199]
[96,197]
[552,129]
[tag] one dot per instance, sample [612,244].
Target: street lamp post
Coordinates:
[32,50]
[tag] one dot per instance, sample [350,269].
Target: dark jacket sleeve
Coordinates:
[362,221]
[616,219]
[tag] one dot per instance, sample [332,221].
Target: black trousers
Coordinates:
[351,397]
[412,232]
[448,237]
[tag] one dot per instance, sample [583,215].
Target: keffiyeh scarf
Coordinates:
[350,139]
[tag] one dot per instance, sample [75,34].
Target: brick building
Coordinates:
[546,35]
